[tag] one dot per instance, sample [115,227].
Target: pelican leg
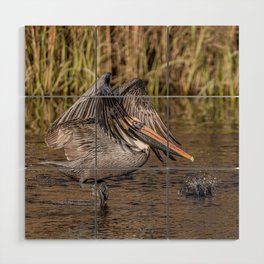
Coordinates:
[99,190]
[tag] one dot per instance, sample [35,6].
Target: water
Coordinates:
[145,204]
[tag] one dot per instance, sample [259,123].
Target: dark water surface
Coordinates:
[147,203]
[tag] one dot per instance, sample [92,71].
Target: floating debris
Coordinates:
[199,186]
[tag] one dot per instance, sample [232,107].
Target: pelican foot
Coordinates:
[99,190]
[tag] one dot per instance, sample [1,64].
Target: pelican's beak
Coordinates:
[166,144]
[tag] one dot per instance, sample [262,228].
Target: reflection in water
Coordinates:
[147,203]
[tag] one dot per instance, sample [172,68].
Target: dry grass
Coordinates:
[203,60]
[134,52]
[59,60]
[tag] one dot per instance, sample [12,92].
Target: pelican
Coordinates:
[111,132]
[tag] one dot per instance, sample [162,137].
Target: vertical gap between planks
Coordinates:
[96,121]
[168,127]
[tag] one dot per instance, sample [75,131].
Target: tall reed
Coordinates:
[203,60]
[134,51]
[59,60]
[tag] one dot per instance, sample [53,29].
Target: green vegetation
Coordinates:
[59,60]
[203,60]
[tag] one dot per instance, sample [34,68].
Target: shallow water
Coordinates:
[145,204]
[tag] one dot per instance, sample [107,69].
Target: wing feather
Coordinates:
[75,129]
[120,118]
[136,102]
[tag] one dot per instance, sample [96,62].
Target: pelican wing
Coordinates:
[84,108]
[77,138]
[116,123]
[73,130]
[136,103]
[121,118]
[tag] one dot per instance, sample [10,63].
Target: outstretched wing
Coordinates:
[76,137]
[74,130]
[85,107]
[121,118]
[136,102]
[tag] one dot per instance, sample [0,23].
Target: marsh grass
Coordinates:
[134,51]
[203,60]
[59,60]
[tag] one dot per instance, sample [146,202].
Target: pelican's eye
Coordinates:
[138,125]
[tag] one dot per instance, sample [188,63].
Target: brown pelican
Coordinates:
[114,128]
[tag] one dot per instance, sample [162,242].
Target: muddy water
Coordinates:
[147,203]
